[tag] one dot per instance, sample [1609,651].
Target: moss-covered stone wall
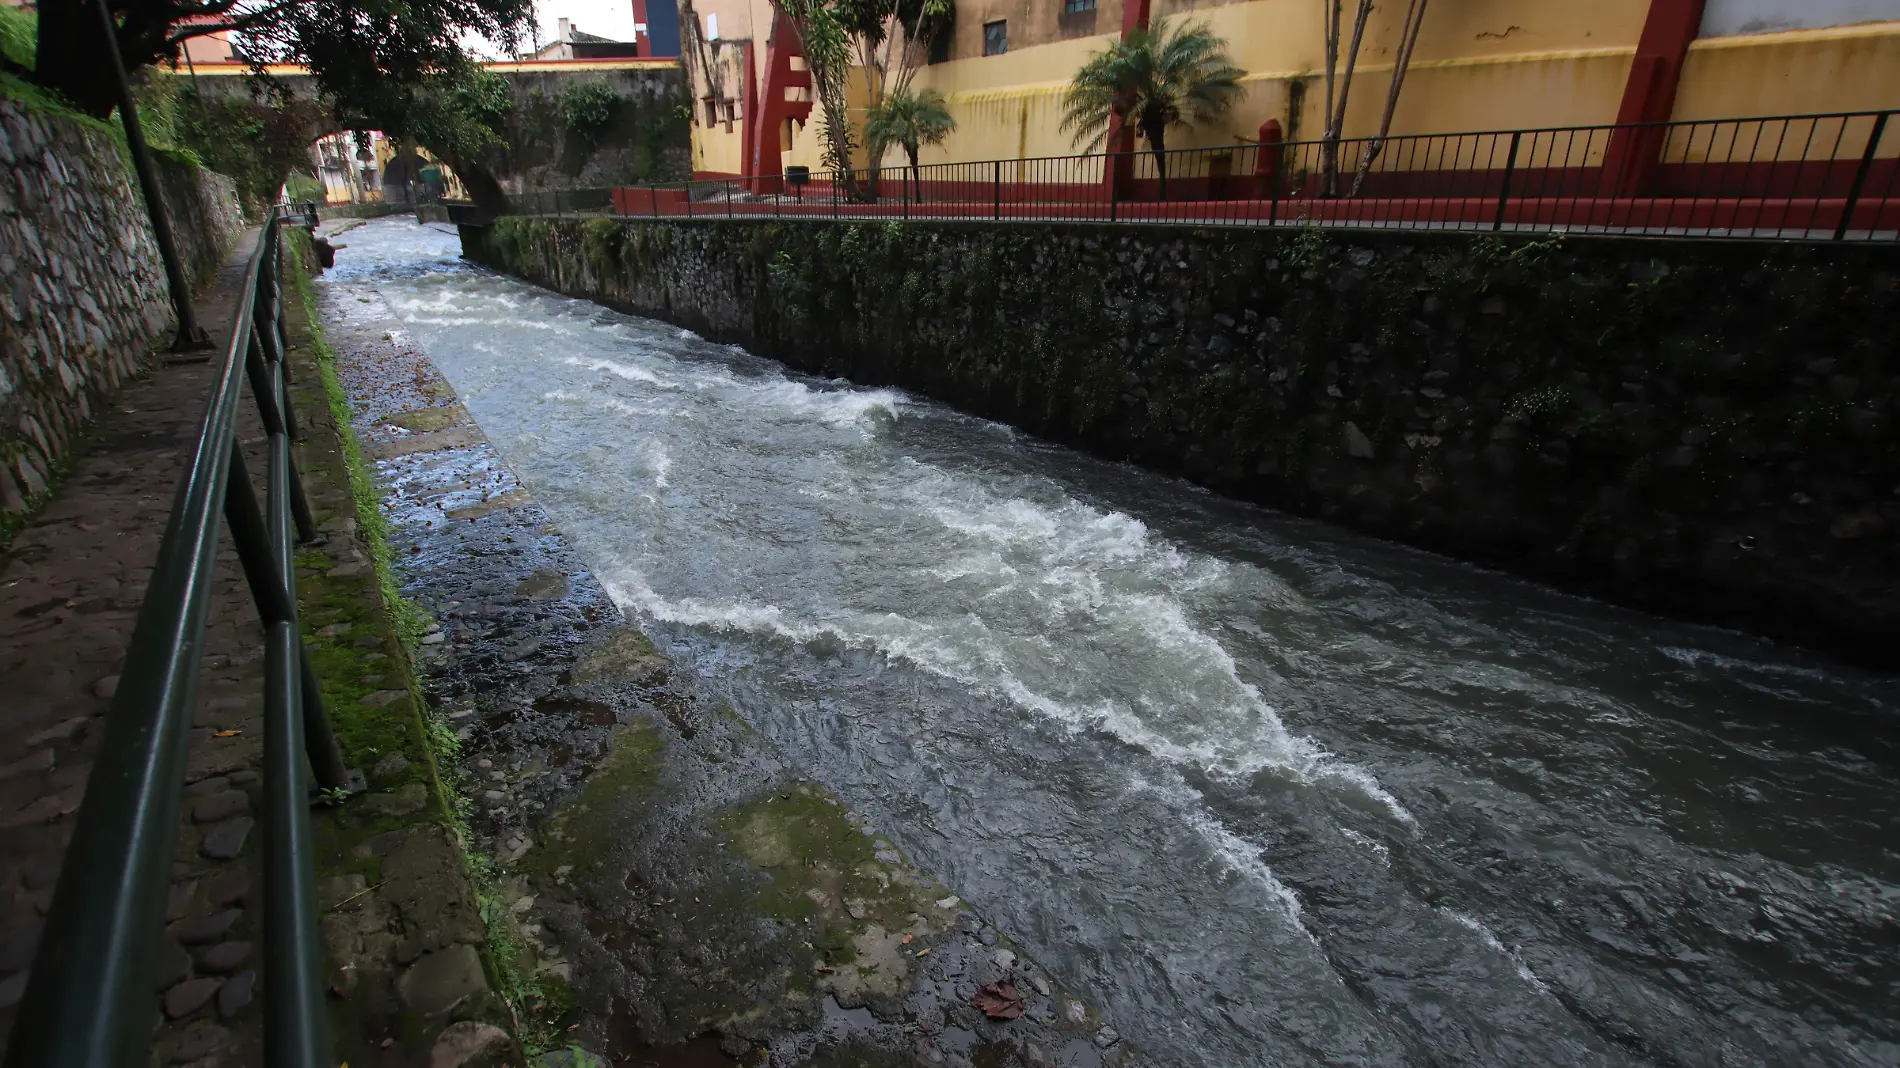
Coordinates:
[1700,428]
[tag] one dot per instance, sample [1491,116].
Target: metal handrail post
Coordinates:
[1504,188]
[1860,174]
[271,594]
[996,188]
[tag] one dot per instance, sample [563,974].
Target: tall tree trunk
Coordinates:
[1157,133]
[1336,103]
[916,179]
[1408,39]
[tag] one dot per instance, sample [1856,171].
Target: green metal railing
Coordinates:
[91,1000]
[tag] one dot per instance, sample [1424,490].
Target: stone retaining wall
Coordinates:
[82,291]
[1702,428]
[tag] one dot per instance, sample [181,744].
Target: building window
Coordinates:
[996,37]
[940,46]
[712,24]
[1077,7]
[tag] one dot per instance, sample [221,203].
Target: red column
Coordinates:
[1629,165]
[642,40]
[1119,178]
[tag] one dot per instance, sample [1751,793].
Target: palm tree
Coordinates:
[1171,75]
[911,119]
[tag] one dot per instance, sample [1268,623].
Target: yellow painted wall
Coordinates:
[1479,65]
[1485,64]
[1847,68]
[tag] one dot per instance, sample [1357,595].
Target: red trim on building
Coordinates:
[1650,93]
[764,144]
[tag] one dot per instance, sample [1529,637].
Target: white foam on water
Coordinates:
[842,408]
[1248,740]
[1701,658]
[617,369]
[905,640]
[1378,848]
[657,461]
[599,400]
[1475,926]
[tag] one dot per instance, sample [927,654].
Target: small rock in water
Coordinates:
[1005,959]
[1106,1037]
[1039,983]
[948,902]
[1075,1012]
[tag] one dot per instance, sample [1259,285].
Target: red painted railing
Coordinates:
[1809,177]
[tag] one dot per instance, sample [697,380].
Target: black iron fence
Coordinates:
[91,1000]
[1808,177]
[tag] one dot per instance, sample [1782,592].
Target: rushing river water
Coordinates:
[1269,793]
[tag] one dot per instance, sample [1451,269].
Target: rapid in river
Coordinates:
[1267,792]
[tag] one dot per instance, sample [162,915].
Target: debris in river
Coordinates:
[999,1001]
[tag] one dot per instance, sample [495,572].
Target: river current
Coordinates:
[1267,792]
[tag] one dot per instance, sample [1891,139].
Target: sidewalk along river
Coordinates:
[1268,793]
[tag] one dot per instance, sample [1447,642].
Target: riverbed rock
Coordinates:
[439,981]
[471,1044]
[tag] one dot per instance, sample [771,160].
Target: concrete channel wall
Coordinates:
[83,297]
[1700,428]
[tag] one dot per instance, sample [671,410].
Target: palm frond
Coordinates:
[1169,74]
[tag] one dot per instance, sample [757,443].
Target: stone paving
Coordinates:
[70,588]
[402,931]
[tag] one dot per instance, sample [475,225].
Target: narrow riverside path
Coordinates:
[70,589]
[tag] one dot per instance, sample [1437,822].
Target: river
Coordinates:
[1266,791]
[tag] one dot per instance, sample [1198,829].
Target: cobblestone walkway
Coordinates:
[70,588]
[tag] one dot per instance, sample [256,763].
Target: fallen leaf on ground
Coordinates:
[999,1001]
[225,734]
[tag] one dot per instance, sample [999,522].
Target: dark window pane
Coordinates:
[940,47]
[1076,7]
[995,38]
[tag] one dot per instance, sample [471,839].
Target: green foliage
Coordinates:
[411,621]
[483,96]
[587,107]
[301,187]
[1172,75]
[258,143]
[823,30]
[911,119]
[19,36]
[1531,404]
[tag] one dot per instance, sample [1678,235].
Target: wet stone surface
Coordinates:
[682,893]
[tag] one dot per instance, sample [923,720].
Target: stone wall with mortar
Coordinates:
[1701,428]
[83,296]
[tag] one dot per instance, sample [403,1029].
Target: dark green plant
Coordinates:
[1173,75]
[587,109]
[910,119]
[362,53]
[19,35]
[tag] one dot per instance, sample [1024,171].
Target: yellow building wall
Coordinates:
[1485,64]
[1479,65]
[1797,72]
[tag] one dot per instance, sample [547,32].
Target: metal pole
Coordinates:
[1860,175]
[191,337]
[1504,190]
[996,188]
